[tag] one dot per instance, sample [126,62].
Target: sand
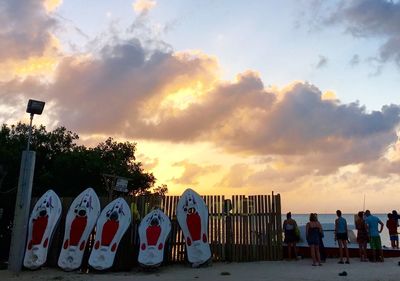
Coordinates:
[279,270]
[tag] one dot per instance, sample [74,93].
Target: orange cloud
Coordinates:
[52,5]
[42,66]
[143,6]
[193,172]
[329,95]
[180,98]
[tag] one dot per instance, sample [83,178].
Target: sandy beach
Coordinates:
[279,270]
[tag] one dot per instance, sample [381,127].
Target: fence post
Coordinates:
[279,225]
[228,230]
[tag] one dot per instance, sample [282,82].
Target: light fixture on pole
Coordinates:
[34,107]
[23,201]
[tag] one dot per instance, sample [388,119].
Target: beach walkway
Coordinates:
[265,270]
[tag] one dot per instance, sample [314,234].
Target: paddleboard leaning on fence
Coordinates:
[154,230]
[192,215]
[80,221]
[111,225]
[42,223]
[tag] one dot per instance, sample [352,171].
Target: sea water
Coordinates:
[302,219]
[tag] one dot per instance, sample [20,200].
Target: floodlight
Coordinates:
[35,107]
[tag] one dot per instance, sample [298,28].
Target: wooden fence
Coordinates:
[240,229]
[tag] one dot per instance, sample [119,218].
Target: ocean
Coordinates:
[302,219]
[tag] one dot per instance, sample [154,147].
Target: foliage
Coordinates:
[161,190]
[65,166]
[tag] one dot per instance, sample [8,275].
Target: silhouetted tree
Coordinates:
[65,166]
[161,190]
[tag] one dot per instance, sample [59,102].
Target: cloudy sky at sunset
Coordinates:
[299,97]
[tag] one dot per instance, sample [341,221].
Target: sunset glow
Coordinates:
[224,97]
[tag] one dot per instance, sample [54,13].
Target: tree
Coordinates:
[65,166]
[161,190]
[119,159]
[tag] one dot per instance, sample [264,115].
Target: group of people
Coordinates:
[368,228]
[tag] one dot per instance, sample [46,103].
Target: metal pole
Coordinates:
[22,208]
[30,132]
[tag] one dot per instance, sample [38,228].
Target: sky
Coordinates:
[298,97]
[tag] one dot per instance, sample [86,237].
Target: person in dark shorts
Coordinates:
[341,236]
[289,227]
[362,236]
[313,233]
[391,224]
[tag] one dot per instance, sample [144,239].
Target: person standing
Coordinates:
[396,216]
[391,224]
[341,236]
[313,232]
[362,236]
[289,227]
[322,251]
[373,232]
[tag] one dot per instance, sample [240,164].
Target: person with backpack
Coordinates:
[291,237]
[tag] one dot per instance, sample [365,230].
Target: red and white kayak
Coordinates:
[81,219]
[153,233]
[42,223]
[111,225]
[192,215]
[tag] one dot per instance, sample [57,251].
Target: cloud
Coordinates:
[133,92]
[14,95]
[329,95]
[386,166]
[192,172]
[143,6]
[301,123]
[236,177]
[147,162]
[145,90]
[27,44]
[52,5]
[382,168]
[323,62]
[355,60]
[26,29]
[372,18]
[131,86]
[276,172]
